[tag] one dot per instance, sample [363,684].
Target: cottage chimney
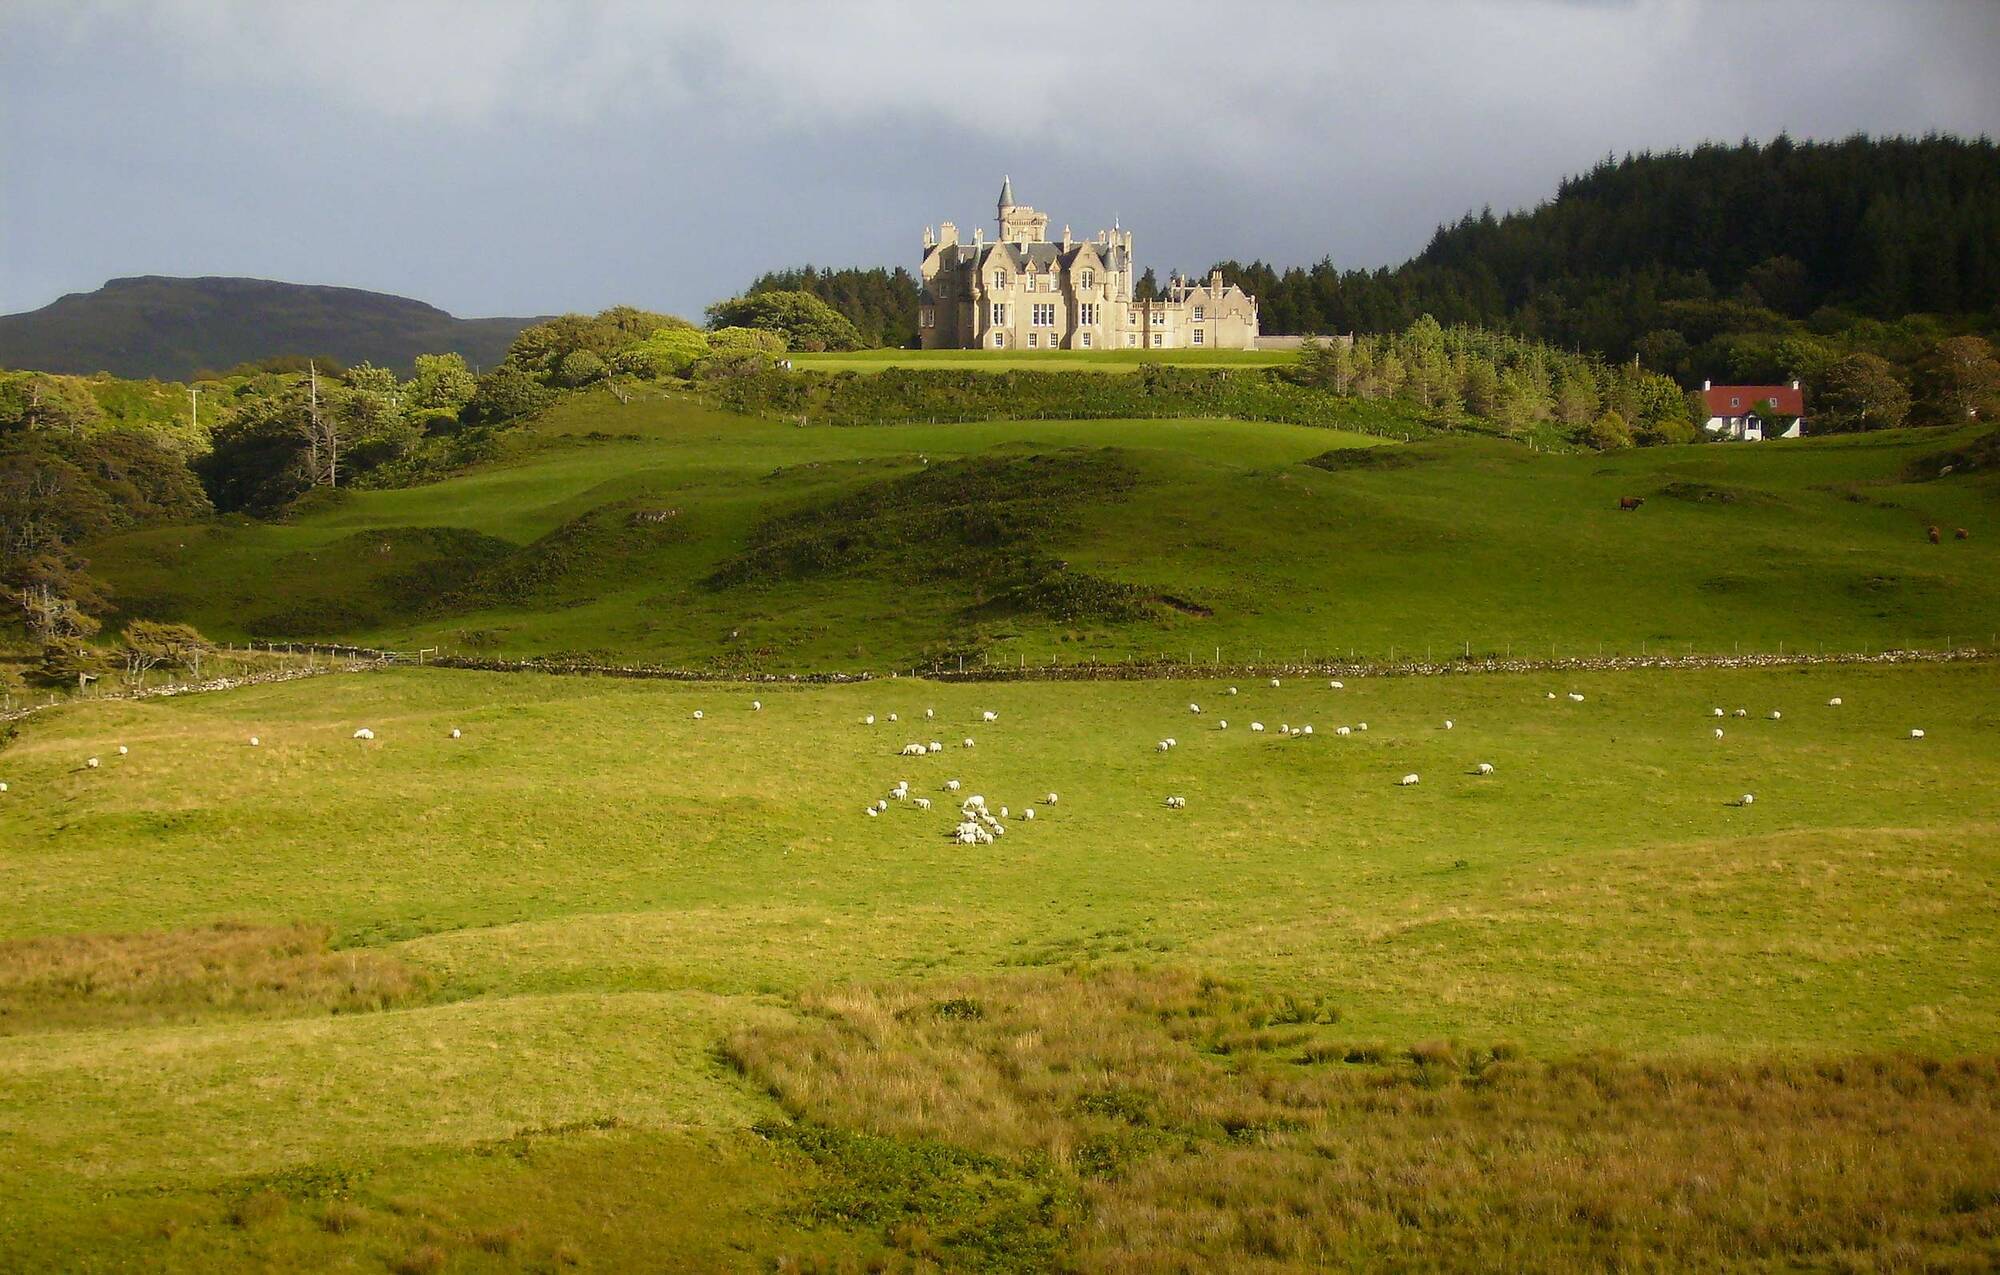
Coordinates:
[1795,385]
[1707,386]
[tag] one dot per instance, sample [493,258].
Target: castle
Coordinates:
[1023,292]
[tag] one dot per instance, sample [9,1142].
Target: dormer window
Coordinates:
[1735,401]
[1197,314]
[1088,279]
[999,280]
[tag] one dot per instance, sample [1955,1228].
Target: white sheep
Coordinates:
[1407,780]
[1741,712]
[456,733]
[1834,702]
[976,800]
[1004,814]
[364,733]
[1447,723]
[122,750]
[1284,728]
[1718,732]
[951,785]
[967,743]
[92,763]
[1176,803]
[923,803]
[1777,716]
[1160,747]
[882,804]
[868,720]
[1222,724]
[1574,698]
[697,714]
[989,716]
[1305,730]
[1749,799]
[756,706]
[1274,683]
[1717,713]
[1916,734]
[1486,768]
[255,742]
[1028,814]
[1256,728]
[1049,800]
[913,750]
[1342,730]
[1195,709]
[1336,686]
[928,714]
[1232,690]
[1172,742]
[892,717]
[936,747]
[874,813]
[1552,694]
[3,787]
[1361,725]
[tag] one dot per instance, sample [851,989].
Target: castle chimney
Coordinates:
[1215,284]
[947,234]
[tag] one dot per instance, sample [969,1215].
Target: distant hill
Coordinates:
[156,326]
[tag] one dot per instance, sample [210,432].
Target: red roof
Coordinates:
[1742,400]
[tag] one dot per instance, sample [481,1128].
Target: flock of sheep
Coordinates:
[979,825]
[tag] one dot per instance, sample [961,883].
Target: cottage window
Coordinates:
[1735,402]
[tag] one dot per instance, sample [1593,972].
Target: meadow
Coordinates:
[600,982]
[618,531]
[1023,360]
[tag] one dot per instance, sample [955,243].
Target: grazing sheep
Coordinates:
[1574,698]
[1336,686]
[1777,716]
[1961,534]
[697,714]
[1741,712]
[122,750]
[928,714]
[1305,730]
[1486,768]
[1004,814]
[1361,725]
[913,750]
[1447,723]
[1176,803]
[989,716]
[1195,709]
[923,803]
[3,787]
[1274,683]
[756,706]
[1915,734]
[255,742]
[1718,732]
[868,720]
[455,732]
[1407,780]
[976,800]
[1834,702]
[1223,724]
[1284,728]
[364,733]
[936,747]
[1232,690]
[1552,694]
[1172,742]
[1028,814]
[966,742]
[1049,800]
[951,785]
[1343,730]
[1160,747]
[92,763]
[892,717]
[1256,728]
[1716,712]
[874,813]
[882,804]
[1749,799]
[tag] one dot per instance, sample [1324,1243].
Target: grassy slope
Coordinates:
[1045,360]
[1474,541]
[599,887]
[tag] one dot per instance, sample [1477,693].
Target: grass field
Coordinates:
[575,987]
[1221,536]
[1044,360]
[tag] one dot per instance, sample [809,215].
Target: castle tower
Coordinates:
[1018,222]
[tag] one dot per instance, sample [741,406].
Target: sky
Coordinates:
[502,157]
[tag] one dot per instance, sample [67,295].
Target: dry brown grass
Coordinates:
[1202,1138]
[97,980]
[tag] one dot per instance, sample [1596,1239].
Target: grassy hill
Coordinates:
[154,326]
[665,531]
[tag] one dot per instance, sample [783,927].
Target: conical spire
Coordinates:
[1006,192]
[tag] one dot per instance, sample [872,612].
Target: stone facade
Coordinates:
[1025,292]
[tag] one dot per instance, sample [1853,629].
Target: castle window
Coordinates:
[1197,336]
[1159,339]
[1131,338]
[1045,316]
[927,316]
[1159,319]
[1034,339]
[999,279]
[1084,337]
[999,314]
[1197,314]
[1087,312]
[999,338]
[1089,279]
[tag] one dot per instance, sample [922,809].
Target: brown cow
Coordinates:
[1631,502]
[1961,534]
[1934,535]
